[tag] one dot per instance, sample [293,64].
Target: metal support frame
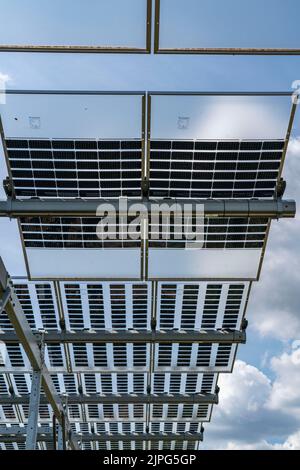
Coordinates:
[17,434]
[33,417]
[134,336]
[273,209]
[60,439]
[4,299]
[122,398]
[90,49]
[31,345]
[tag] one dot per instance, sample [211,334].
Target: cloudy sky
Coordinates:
[260,402]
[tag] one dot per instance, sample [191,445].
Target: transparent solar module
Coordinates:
[194,25]
[176,366]
[76,168]
[217,146]
[219,117]
[184,413]
[215,169]
[192,357]
[71,115]
[208,233]
[67,238]
[193,306]
[74,144]
[113,25]
[123,306]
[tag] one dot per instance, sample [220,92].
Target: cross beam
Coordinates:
[273,209]
[134,336]
[114,398]
[18,434]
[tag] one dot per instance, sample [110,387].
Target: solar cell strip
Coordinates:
[208,169]
[72,168]
[209,233]
[70,232]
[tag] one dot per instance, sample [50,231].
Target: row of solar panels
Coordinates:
[119,445]
[127,305]
[111,305]
[123,357]
[93,146]
[212,248]
[40,170]
[115,413]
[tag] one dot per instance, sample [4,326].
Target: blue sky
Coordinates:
[259,404]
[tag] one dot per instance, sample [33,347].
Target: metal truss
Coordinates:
[134,336]
[115,398]
[33,349]
[18,434]
[273,209]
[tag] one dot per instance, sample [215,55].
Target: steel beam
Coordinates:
[4,299]
[33,417]
[122,398]
[134,336]
[31,345]
[18,434]
[273,209]
[60,439]
[194,437]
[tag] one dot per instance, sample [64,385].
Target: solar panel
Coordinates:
[194,27]
[212,169]
[111,305]
[106,368]
[202,305]
[172,357]
[79,168]
[44,238]
[223,118]
[230,233]
[117,26]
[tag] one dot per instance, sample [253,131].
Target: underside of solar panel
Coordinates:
[135,329]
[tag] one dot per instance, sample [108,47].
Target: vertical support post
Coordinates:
[60,438]
[61,435]
[34,404]
[54,431]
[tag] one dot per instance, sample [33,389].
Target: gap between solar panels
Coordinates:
[223,150]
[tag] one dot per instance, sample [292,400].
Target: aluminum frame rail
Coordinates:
[32,346]
[34,404]
[273,209]
[134,336]
[122,398]
[90,49]
[18,434]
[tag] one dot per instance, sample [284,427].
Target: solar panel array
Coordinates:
[87,168]
[124,368]
[212,169]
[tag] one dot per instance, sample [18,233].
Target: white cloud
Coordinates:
[274,304]
[4,78]
[255,412]
[292,443]
[294,147]
[285,390]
